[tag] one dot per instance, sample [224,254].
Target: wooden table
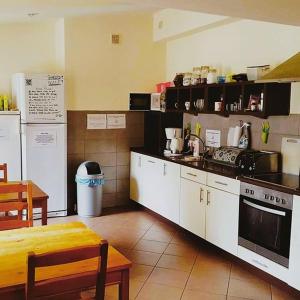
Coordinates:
[15,245]
[39,200]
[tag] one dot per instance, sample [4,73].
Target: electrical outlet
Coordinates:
[115,39]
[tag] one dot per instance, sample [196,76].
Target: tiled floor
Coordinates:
[169,264]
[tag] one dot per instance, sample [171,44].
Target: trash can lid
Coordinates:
[89,168]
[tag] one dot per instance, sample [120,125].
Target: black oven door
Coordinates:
[265,229]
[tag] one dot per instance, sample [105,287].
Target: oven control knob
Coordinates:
[283,201]
[267,196]
[277,199]
[272,198]
[252,192]
[247,191]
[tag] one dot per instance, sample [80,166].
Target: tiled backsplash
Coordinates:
[109,147]
[279,127]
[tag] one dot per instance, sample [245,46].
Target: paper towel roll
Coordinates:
[236,136]
[230,136]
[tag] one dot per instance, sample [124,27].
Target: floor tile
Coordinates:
[280,294]
[151,246]
[169,277]
[197,295]
[160,236]
[249,289]
[181,250]
[140,272]
[112,291]
[153,291]
[180,263]
[240,273]
[143,257]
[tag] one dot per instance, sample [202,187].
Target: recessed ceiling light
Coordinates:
[32,14]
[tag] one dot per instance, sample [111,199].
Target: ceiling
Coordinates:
[278,11]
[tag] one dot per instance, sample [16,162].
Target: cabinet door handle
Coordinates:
[151,161]
[201,199]
[208,198]
[220,182]
[191,174]
[165,172]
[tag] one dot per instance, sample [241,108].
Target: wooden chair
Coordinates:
[9,221]
[61,287]
[3,168]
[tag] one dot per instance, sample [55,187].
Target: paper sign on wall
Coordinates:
[43,138]
[96,121]
[213,138]
[116,121]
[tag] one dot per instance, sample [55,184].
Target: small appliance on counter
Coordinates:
[174,144]
[235,161]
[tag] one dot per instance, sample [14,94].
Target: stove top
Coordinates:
[281,179]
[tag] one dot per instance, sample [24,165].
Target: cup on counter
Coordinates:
[187,105]
[218,106]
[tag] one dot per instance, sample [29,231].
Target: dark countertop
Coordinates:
[200,165]
[286,183]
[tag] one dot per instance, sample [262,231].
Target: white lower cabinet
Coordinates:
[136,177]
[155,183]
[294,261]
[222,215]
[210,213]
[192,207]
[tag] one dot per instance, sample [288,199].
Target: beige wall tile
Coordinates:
[109,172]
[110,186]
[75,146]
[104,159]
[99,146]
[123,158]
[123,172]
[123,185]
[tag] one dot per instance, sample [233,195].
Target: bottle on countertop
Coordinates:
[5,103]
[244,142]
[261,102]
[1,103]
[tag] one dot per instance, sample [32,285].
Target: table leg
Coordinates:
[44,212]
[124,285]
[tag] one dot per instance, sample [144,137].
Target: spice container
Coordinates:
[196,76]
[178,80]
[187,78]
[204,73]
[212,76]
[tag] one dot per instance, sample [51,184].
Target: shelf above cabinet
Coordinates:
[276,96]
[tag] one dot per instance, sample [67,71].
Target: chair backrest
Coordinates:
[15,202]
[57,287]
[3,168]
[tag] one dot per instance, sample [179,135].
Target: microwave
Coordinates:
[139,101]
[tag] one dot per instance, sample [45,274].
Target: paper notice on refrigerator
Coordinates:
[116,121]
[4,134]
[213,138]
[43,138]
[96,121]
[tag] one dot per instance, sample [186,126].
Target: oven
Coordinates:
[265,218]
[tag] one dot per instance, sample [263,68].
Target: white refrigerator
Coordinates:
[10,143]
[40,99]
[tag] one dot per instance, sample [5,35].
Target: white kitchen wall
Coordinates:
[233,47]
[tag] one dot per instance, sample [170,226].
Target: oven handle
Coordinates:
[269,210]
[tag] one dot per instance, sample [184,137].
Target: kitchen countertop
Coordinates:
[290,181]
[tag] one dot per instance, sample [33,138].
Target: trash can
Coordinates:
[89,179]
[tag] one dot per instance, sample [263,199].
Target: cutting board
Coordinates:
[290,150]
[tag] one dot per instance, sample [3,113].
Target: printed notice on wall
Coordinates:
[213,138]
[96,121]
[115,121]
[43,138]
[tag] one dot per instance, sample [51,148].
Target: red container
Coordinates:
[161,87]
